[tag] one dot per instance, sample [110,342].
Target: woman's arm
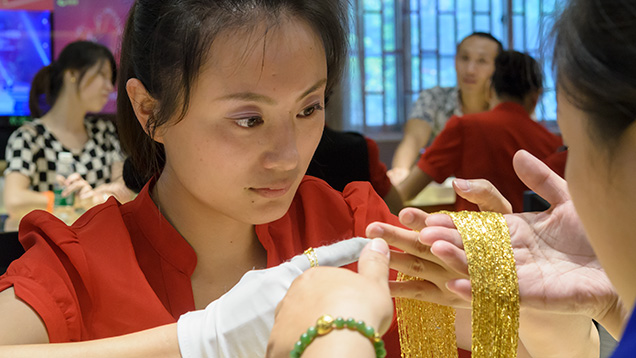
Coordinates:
[117,186]
[20,323]
[18,198]
[90,197]
[416,135]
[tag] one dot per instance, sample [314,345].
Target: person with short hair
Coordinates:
[482,145]
[474,65]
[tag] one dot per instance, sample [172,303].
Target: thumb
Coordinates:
[540,178]
[374,261]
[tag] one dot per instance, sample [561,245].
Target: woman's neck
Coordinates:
[473,102]
[216,238]
[66,115]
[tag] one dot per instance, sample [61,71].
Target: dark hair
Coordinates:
[516,75]
[47,82]
[166,42]
[594,51]
[483,35]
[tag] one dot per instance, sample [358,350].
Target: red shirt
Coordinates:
[123,268]
[482,145]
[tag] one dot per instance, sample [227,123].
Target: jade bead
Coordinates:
[380,352]
[360,326]
[350,323]
[339,322]
[305,339]
[368,331]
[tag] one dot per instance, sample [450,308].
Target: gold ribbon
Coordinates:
[495,297]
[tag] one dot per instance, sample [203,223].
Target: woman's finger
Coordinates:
[451,256]
[440,220]
[482,193]
[374,261]
[403,239]
[540,178]
[417,267]
[432,234]
[460,287]
[414,219]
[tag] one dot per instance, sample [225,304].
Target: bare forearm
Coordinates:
[547,335]
[416,135]
[20,202]
[160,342]
[413,184]
[406,153]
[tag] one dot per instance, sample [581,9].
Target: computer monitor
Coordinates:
[25,47]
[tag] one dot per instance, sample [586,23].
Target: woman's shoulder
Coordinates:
[31,128]
[97,124]
[99,222]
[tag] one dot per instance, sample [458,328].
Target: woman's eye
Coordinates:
[311,110]
[249,122]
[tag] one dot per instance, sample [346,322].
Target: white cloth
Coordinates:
[238,324]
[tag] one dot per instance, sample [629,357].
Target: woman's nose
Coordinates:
[283,149]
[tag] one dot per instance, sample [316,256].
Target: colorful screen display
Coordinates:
[25,47]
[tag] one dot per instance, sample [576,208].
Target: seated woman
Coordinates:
[482,145]
[79,82]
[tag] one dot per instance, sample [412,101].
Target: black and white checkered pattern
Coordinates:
[33,151]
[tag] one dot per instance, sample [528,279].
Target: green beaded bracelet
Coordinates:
[326,324]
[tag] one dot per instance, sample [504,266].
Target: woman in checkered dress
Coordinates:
[79,82]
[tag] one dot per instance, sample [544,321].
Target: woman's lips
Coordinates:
[272,192]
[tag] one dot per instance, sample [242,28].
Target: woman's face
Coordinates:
[96,86]
[254,121]
[602,190]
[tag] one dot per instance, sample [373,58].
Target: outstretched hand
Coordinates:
[556,266]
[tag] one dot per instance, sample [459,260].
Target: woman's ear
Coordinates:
[71,76]
[143,105]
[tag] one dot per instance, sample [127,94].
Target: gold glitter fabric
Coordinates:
[427,330]
[493,278]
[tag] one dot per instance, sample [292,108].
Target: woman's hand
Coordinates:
[74,183]
[239,323]
[415,259]
[556,266]
[339,293]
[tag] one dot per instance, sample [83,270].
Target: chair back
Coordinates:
[10,249]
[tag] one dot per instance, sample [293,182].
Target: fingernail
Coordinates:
[379,245]
[407,218]
[463,185]
[377,231]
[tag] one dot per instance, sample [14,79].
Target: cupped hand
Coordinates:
[556,267]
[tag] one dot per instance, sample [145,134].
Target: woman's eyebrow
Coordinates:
[255,97]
